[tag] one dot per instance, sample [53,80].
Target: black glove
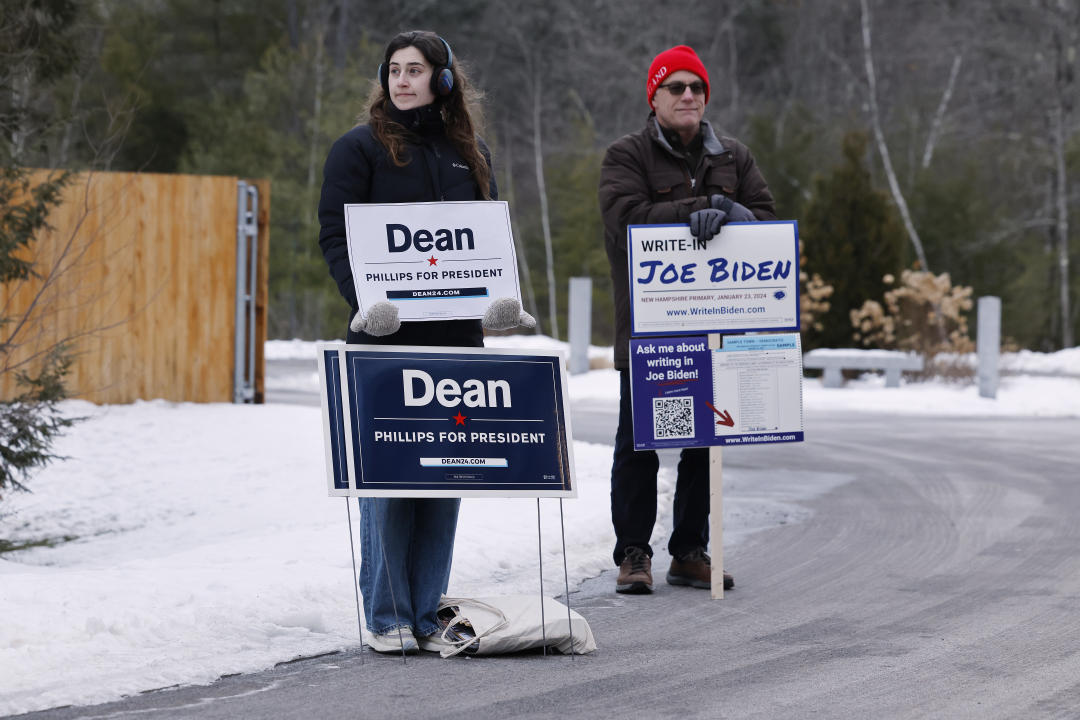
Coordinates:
[735,211]
[706,223]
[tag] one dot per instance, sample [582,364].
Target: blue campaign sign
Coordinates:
[746,390]
[671,389]
[333,418]
[446,422]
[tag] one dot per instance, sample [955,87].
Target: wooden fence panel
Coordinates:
[144,283]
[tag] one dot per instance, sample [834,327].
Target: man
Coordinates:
[675,170]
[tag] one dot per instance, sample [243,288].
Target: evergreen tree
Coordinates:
[281,127]
[852,238]
[578,232]
[35,45]
[786,156]
[164,61]
[31,420]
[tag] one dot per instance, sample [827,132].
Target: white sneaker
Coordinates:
[434,643]
[392,642]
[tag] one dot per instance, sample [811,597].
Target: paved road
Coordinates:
[939,578]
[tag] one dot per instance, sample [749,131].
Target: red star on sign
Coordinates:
[459,419]
[432,260]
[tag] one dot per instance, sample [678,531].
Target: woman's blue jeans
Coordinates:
[406,546]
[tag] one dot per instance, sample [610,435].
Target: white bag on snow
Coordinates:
[511,623]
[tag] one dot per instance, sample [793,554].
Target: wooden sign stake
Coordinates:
[716,521]
[716,506]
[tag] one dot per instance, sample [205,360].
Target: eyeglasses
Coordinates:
[677,88]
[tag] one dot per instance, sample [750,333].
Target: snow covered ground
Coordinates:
[200,541]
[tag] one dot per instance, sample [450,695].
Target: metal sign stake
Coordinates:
[355,587]
[540,552]
[566,579]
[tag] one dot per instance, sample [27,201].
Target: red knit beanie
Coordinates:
[680,57]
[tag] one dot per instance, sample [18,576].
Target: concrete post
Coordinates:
[988,344]
[580,323]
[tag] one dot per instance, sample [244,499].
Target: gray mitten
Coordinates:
[706,223]
[382,319]
[736,212]
[505,313]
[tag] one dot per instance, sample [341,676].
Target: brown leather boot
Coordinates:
[635,572]
[695,569]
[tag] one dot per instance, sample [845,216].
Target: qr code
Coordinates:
[673,417]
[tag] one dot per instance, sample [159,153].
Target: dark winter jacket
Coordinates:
[644,180]
[359,170]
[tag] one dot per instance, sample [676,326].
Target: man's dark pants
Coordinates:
[633,490]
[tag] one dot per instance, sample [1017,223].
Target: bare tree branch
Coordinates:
[541,188]
[883,149]
[939,116]
[519,244]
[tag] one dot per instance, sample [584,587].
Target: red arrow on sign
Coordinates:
[725,417]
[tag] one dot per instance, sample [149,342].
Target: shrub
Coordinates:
[813,302]
[924,314]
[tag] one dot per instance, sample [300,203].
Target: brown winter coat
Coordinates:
[645,181]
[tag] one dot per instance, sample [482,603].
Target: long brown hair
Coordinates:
[460,109]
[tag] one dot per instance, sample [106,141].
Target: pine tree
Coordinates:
[578,231]
[37,52]
[852,238]
[30,421]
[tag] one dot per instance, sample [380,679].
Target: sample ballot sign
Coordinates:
[746,391]
[444,422]
[745,279]
[435,261]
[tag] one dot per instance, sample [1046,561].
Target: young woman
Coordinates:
[419,145]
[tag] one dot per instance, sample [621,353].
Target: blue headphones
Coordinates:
[442,79]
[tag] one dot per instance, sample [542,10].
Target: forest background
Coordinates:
[935,135]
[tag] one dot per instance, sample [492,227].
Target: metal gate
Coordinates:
[247,253]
